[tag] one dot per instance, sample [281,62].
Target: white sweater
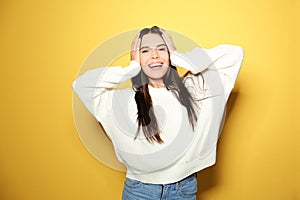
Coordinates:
[184,151]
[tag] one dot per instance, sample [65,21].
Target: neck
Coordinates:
[157,84]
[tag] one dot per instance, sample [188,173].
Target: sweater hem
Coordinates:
[177,173]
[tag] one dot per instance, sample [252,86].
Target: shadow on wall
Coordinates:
[209,177]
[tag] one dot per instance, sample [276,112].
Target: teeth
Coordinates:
[155,65]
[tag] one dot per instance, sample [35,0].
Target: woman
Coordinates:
[166,127]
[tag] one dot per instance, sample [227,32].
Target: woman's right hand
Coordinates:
[135,49]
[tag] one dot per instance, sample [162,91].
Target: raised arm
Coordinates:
[222,62]
[225,59]
[218,66]
[93,84]
[92,87]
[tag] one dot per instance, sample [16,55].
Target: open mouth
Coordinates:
[155,65]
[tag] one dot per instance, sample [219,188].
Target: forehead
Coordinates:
[152,40]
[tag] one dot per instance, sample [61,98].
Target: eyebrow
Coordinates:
[156,46]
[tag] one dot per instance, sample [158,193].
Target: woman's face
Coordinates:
[154,58]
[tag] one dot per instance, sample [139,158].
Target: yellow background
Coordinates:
[43,44]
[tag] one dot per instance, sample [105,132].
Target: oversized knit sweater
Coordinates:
[185,150]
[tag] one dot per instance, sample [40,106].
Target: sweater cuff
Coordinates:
[180,60]
[134,68]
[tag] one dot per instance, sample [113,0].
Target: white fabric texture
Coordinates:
[184,151]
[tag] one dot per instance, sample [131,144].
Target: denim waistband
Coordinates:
[186,179]
[180,182]
[179,190]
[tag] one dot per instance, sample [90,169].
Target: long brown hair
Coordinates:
[146,117]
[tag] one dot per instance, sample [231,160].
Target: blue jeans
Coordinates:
[184,189]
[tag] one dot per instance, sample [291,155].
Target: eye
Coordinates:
[144,50]
[162,48]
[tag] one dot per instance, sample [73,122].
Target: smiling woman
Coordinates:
[154,58]
[175,120]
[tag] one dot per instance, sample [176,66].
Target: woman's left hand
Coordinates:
[168,40]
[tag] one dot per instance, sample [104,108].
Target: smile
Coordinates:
[155,65]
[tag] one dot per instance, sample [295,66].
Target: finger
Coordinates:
[166,40]
[135,54]
[166,36]
[137,51]
[135,42]
[135,45]
[169,41]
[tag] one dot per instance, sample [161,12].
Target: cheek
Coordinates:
[143,59]
[165,57]
[167,60]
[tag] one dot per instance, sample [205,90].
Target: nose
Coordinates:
[154,54]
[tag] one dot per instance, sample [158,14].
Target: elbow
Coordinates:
[74,85]
[238,52]
[234,50]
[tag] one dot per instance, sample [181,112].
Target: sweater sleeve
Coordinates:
[93,87]
[224,59]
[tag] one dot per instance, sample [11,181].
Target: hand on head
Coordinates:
[168,40]
[135,47]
